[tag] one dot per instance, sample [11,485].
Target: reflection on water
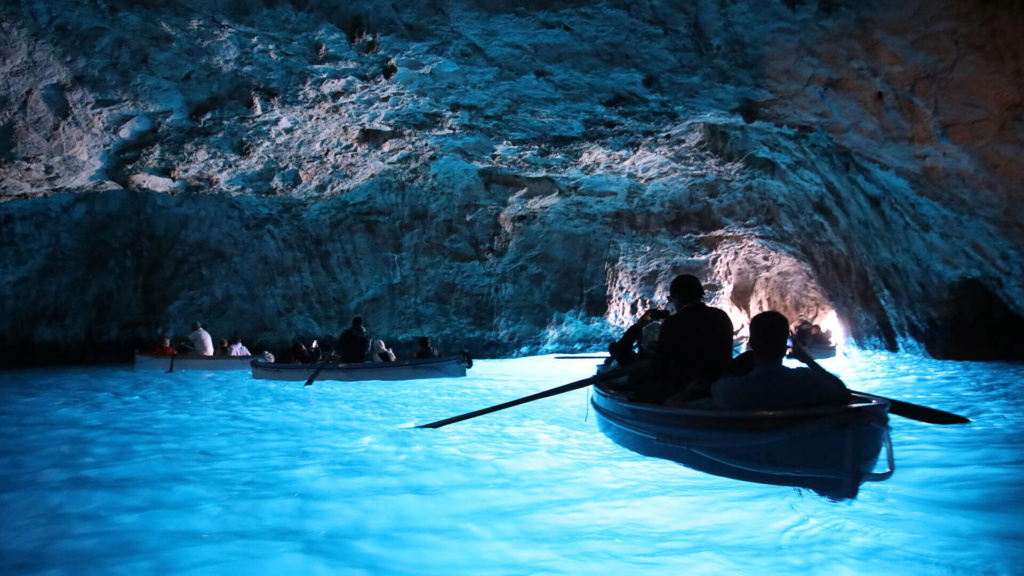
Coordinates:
[108,471]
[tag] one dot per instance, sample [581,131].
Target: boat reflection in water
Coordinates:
[830,450]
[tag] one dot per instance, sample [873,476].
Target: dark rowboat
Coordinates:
[443,367]
[830,450]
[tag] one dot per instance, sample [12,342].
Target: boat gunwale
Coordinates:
[353,366]
[190,358]
[642,416]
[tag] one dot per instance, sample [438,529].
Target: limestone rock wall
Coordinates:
[506,177]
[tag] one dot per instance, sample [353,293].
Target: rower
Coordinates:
[694,347]
[202,343]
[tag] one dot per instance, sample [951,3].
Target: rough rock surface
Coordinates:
[507,177]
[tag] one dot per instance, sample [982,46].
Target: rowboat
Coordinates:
[443,367]
[831,450]
[161,362]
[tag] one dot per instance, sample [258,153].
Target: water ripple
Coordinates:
[109,471]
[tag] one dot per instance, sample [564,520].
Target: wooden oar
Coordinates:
[897,407]
[171,369]
[327,360]
[920,413]
[603,377]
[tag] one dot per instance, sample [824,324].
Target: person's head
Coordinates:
[357,322]
[196,326]
[424,341]
[685,289]
[167,342]
[769,335]
[378,346]
[236,340]
[223,343]
[815,329]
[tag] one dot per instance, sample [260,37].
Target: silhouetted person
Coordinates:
[818,338]
[769,385]
[694,347]
[315,351]
[301,354]
[354,343]
[381,353]
[426,349]
[802,330]
[223,348]
[639,341]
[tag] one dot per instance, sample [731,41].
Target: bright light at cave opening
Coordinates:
[831,322]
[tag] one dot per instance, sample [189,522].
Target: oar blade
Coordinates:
[921,413]
[925,414]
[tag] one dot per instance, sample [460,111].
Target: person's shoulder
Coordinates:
[733,392]
[803,375]
[717,313]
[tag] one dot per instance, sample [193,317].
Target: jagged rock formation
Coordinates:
[507,177]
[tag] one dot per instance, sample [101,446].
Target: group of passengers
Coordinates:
[690,359]
[354,347]
[807,334]
[199,343]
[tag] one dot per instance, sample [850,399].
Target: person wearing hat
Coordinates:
[694,346]
[201,341]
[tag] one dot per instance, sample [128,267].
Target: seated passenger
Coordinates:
[202,344]
[380,353]
[642,335]
[301,354]
[316,353]
[694,347]
[802,331]
[354,343]
[223,349]
[238,349]
[426,350]
[164,349]
[818,338]
[769,385]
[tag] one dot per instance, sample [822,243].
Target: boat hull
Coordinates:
[829,450]
[154,362]
[444,367]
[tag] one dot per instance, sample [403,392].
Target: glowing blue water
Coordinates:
[108,471]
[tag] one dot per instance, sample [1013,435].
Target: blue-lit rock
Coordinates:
[502,178]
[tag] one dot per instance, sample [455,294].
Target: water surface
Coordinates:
[111,471]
